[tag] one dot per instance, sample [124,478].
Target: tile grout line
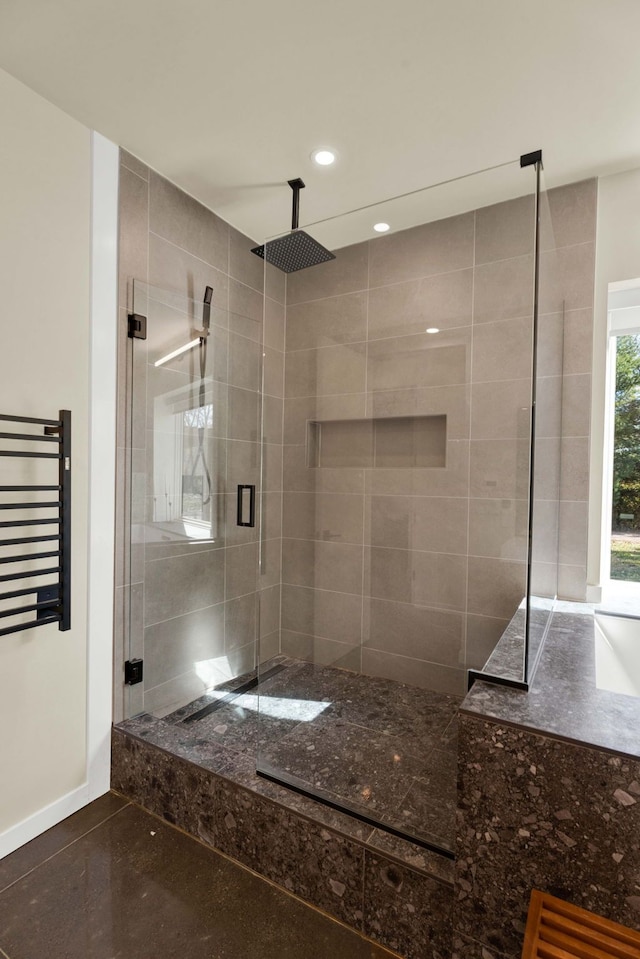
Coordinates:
[64,848]
[364,474]
[470,388]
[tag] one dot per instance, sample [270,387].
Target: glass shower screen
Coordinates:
[195,457]
[403,454]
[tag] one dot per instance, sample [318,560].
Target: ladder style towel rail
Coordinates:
[51,601]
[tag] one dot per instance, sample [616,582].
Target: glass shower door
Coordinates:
[195,391]
[405,495]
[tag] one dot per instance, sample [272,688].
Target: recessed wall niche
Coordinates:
[389,442]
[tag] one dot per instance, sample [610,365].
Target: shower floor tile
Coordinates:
[382,749]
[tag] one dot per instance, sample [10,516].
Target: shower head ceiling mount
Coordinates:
[297,250]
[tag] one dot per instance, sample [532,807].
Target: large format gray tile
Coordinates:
[565,342]
[566,278]
[321,651]
[411,576]
[325,371]
[132,163]
[501,410]
[240,622]
[133,234]
[499,468]
[335,517]
[183,583]
[433,635]
[298,410]
[503,350]
[449,401]
[173,646]
[403,669]
[324,565]
[433,523]
[346,274]
[503,290]
[243,264]
[245,362]
[505,230]
[443,301]
[568,214]
[498,528]
[179,218]
[496,587]
[317,612]
[420,360]
[327,322]
[172,268]
[246,308]
[439,247]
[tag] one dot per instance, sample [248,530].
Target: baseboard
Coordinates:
[44,819]
[594,594]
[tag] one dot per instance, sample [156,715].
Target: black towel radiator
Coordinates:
[52,599]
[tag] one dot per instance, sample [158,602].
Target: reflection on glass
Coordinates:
[625,512]
[182,472]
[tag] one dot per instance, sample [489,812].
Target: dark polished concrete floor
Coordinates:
[114,882]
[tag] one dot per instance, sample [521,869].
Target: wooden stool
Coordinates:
[557,930]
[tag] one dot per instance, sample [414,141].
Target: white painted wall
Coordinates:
[49,730]
[617,258]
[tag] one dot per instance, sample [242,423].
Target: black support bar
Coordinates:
[14,593]
[9,577]
[21,540]
[12,524]
[26,557]
[51,505]
[32,456]
[29,436]
[4,418]
[50,604]
[54,618]
[29,489]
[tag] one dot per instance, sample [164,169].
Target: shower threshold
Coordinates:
[379,751]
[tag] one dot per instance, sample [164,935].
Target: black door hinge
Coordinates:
[137,326]
[133,672]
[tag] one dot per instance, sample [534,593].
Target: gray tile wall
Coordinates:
[412,573]
[403,572]
[568,226]
[178,605]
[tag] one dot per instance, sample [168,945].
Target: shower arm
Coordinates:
[296,185]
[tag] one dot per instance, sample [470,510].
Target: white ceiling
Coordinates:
[228,98]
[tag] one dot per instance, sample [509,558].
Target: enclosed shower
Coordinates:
[343,501]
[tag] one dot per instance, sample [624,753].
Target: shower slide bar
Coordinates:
[52,600]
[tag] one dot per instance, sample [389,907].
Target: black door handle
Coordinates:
[246,503]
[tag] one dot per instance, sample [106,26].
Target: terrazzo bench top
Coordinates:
[563,700]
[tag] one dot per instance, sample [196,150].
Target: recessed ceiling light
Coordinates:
[381,227]
[323,157]
[432,329]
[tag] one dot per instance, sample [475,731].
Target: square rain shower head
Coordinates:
[295,251]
